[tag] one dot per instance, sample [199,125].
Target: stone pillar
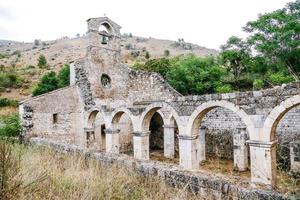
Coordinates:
[295,156]
[89,136]
[202,154]
[72,73]
[169,141]
[188,151]
[112,140]
[263,162]
[240,151]
[141,145]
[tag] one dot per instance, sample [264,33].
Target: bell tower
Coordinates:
[103,60]
[105,34]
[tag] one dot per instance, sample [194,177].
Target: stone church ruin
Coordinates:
[111,108]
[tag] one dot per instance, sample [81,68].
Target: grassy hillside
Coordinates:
[21,58]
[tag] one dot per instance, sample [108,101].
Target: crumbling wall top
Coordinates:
[94,24]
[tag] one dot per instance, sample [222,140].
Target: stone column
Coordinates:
[169,141]
[112,140]
[188,151]
[88,132]
[295,156]
[240,151]
[202,154]
[263,162]
[141,145]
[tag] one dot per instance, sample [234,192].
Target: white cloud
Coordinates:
[205,22]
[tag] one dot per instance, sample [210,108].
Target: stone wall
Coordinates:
[221,123]
[252,102]
[56,114]
[147,86]
[204,185]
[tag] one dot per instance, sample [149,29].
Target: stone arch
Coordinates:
[155,107]
[122,123]
[199,113]
[105,26]
[164,141]
[116,115]
[276,115]
[91,116]
[94,129]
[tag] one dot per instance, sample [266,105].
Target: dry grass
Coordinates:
[69,176]
[286,183]
[158,155]
[4,111]
[223,166]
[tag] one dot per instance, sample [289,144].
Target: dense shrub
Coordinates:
[224,89]
[279,78]
[8,102]
[64,76]
[10,80]
[155,65]
[16,53]
[258,84]
[166,53]
[147,55]
[3,55]
[37,42]
[48,82]
[51,81]
[11,126]
[42,61]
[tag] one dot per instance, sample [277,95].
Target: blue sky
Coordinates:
[208,23]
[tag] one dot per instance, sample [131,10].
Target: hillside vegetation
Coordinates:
[269,56]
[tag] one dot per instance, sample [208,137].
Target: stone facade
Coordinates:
[89,112]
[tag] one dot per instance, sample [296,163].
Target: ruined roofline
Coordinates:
[46,94]
[105,19]
[224,96]
[157,76]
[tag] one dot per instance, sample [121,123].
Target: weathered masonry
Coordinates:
[110,107]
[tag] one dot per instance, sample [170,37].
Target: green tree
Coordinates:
[42,61]
[147,55]
[166,53]
[195,75]
[276,37]
[48,82]
[160,66]
[235,56]
[64,76]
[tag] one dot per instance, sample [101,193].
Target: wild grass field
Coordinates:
[29,172]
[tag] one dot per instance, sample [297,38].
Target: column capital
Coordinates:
[262,144]
[168,126]
[111,131]
[188,137]
[88,129]
[141,133]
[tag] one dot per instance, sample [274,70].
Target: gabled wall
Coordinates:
[38,115]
